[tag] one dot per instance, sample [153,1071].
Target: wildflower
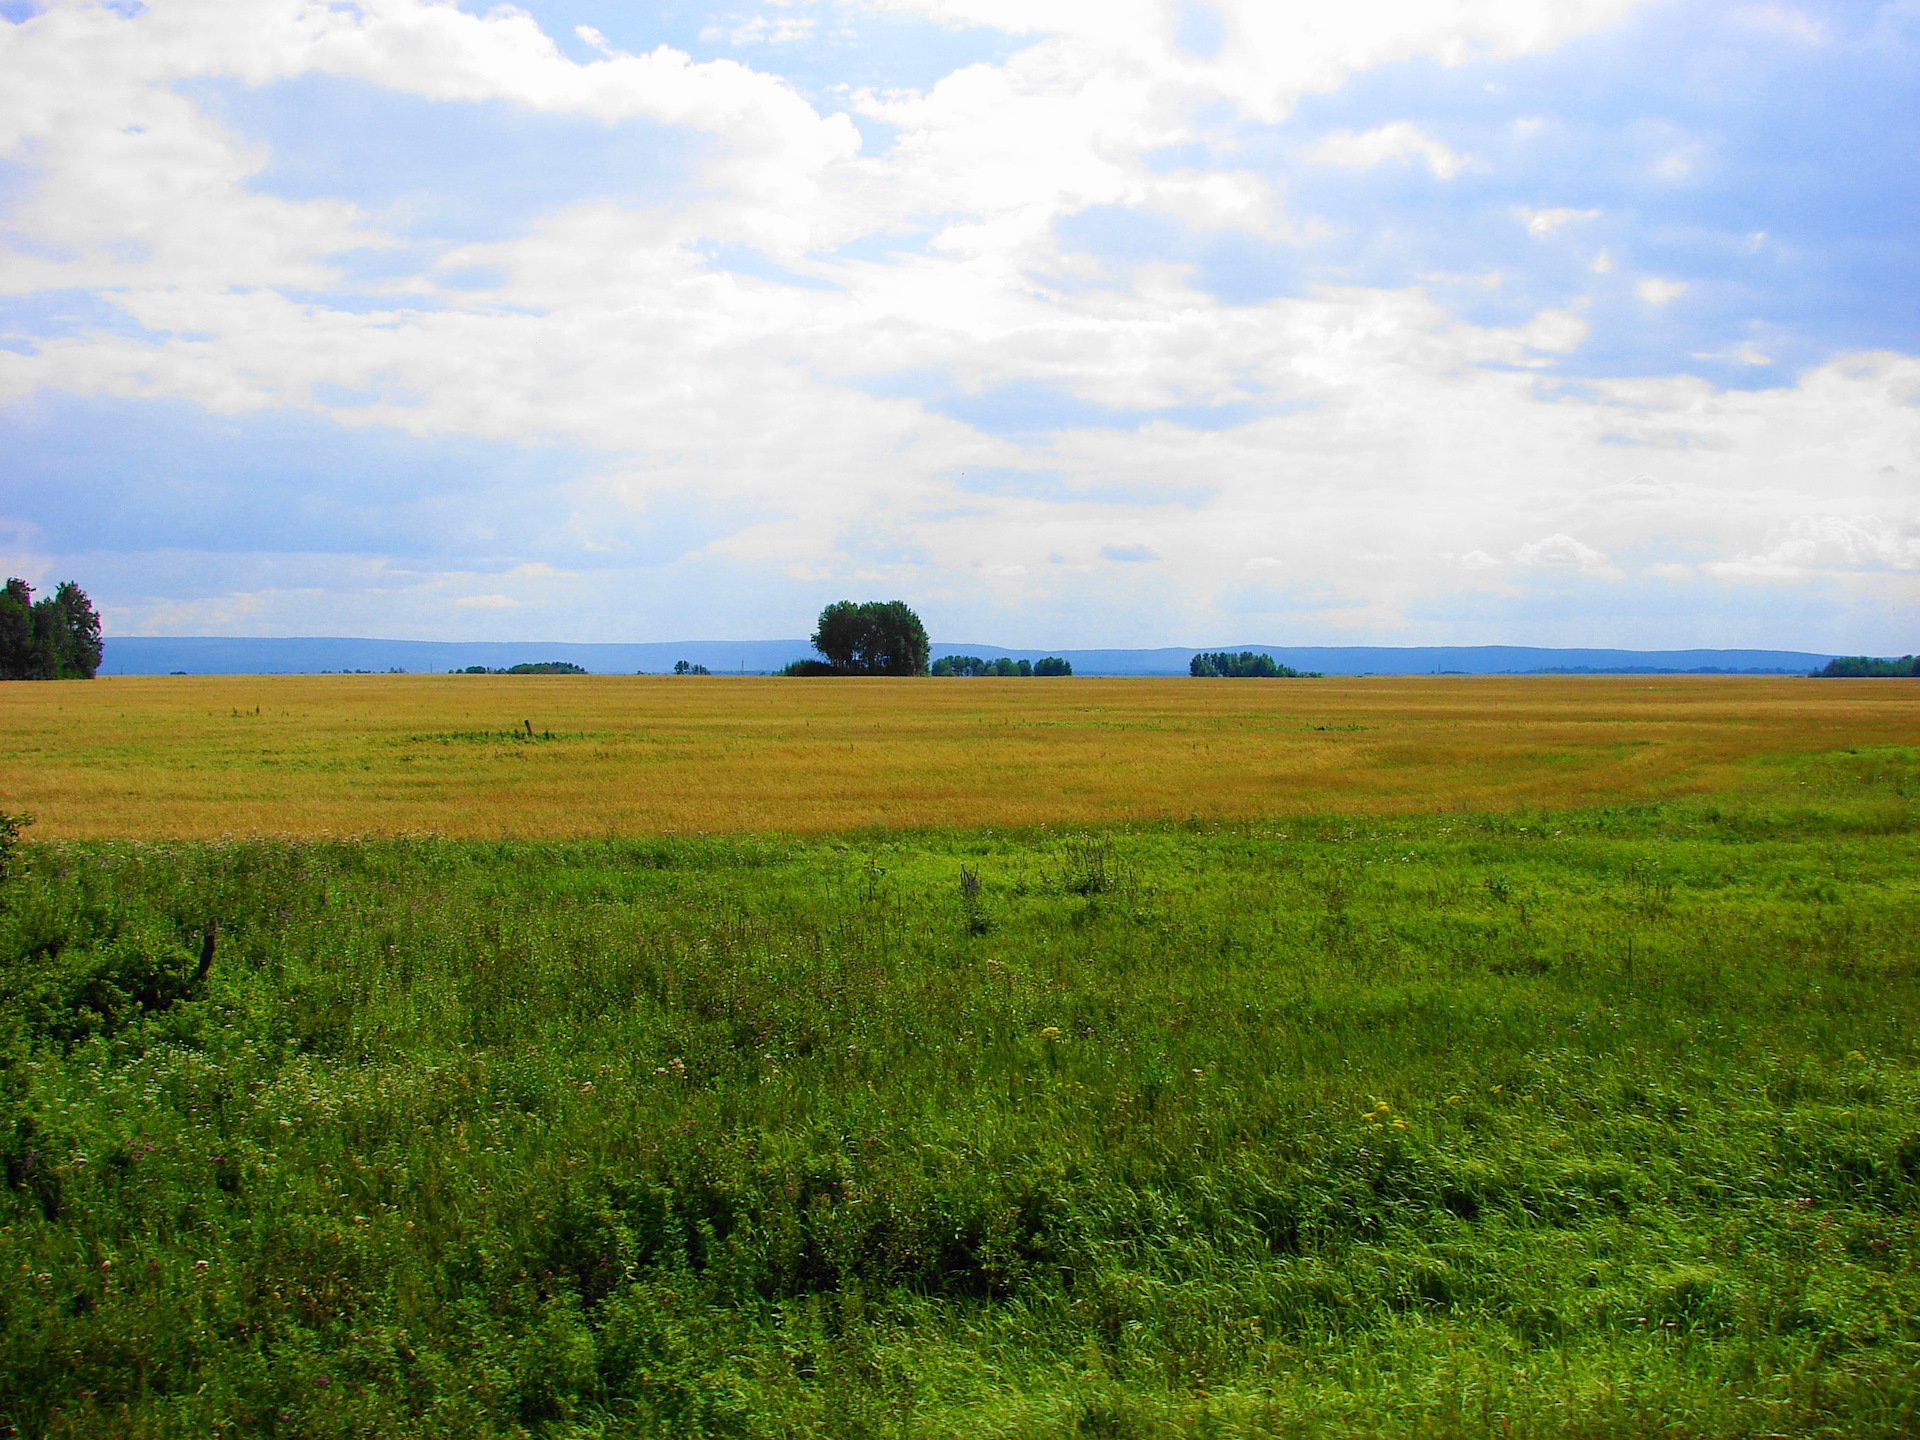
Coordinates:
[1052,1032]
[1498,1088]
[1383,1107]
[1398,1123]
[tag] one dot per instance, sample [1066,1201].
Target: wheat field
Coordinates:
[557,756]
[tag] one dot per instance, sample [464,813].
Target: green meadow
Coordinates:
[1578,1122]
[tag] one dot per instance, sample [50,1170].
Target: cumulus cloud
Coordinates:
[1545,222]
[1828,543]
[1656,291]
[1398,141]
[804,341]
[1561,552]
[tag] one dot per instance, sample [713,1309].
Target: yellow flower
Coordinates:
[1498,1088]
[1383,1107]
[1052,1032]
[1398,1123]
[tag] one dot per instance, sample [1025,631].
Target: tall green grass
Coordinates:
[1586,1123]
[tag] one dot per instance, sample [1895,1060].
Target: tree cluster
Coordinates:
[538,667]
[57,638]
[974,665]
[1856,667]
[687,667]
[1248,664]
[881,637]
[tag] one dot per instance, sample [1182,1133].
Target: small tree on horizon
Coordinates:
[880,637]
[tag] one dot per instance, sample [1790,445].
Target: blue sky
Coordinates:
[1137,323]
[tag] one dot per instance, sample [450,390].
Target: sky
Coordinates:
[1129,323]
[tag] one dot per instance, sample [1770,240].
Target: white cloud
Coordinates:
[1380,438]
[1744,353]
[1398,141]
[765,29]
[1828,543]
[1656,291]
[1562,552]
[1545,222]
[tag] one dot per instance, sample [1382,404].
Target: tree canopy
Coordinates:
[57,638]
[974,665]
[529,667]
[880,637]
[1248,664]
[1854,667]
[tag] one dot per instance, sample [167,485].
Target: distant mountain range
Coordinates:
[306,655]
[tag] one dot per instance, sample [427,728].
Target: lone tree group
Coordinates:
[885,637]
[57,638]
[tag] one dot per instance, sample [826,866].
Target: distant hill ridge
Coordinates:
[225,655]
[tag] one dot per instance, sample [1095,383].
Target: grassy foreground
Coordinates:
[549,757]
[1597,1122]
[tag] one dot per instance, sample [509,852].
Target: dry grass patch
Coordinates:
[481,756]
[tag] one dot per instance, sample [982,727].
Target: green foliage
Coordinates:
[1591,1123]
[55,638]
[539,667]
[1248,664]
[687,667]
[1003,667]
[1860,666]
[807,667]
[875,638]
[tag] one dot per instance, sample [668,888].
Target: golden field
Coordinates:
[181,757]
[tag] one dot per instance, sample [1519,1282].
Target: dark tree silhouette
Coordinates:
[57,638]
[877,638]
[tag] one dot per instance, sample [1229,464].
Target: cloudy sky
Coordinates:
[1072,322]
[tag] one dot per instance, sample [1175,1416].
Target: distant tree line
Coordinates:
[57,638]
[1855,667]
[687,667]
[1248,664]
[974,665]
[540,667]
